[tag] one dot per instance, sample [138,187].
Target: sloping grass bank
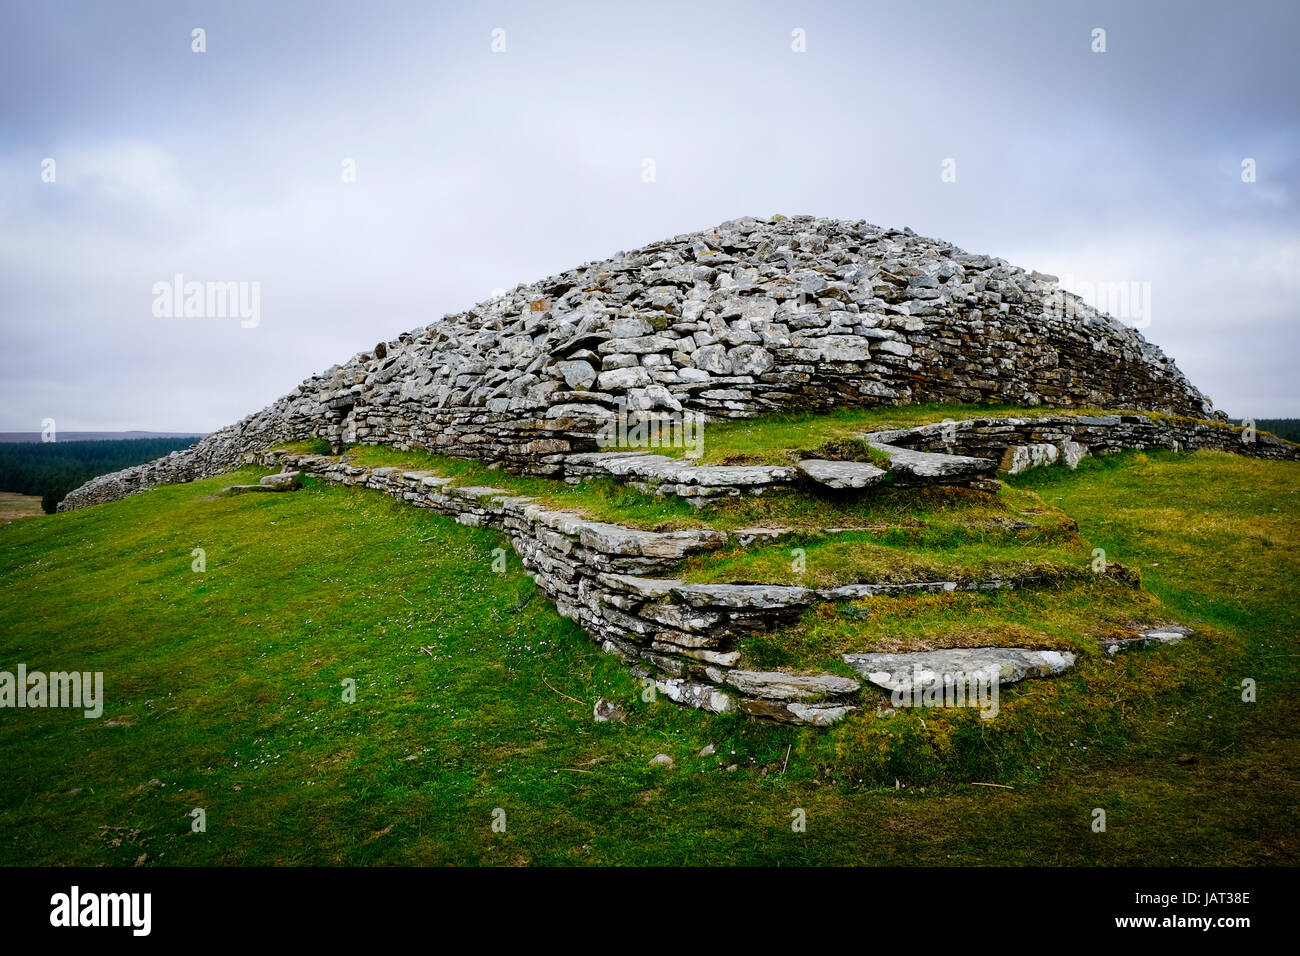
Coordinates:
[225,692]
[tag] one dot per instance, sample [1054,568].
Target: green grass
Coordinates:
[601,499]
[1075,616]
[224,687]
[783,438]
[605,499]
[900,535]
[860,557]
[776,439]
[1217,536]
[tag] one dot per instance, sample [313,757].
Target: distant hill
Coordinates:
[52,469]
[15,437]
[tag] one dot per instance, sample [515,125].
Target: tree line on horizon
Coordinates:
[52,469]
[1287,428]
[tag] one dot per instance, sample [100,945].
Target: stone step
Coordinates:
[247,489]
[284,481]
[602,575]
[747,597]
[841,475]
[779,685]
[910,672]
[929,467]
[660,474]
[1022,442]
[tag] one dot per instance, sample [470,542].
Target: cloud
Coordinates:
[478,170]
[129,173]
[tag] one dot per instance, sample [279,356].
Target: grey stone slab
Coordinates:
[909,671]
[842,475]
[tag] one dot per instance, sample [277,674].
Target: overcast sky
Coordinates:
[477,170]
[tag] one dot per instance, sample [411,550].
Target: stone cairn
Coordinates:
[754,316]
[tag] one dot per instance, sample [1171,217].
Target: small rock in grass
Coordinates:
[661,760]
[284,481]
[606,710]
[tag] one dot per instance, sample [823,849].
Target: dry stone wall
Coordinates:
[1020,443]
[951,452]
[755,315]
[616,583]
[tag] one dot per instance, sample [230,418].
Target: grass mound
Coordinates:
[225,692]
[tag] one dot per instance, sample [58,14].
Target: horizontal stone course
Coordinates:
[907,672]
[841,475]
[616,583]
[923,467]
[752,317]
[1072,436]
[745,318]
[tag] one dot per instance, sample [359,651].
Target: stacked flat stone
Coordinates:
[1018,443]
[614,582]
[753,316]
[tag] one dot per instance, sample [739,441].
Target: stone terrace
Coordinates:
[615,582]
